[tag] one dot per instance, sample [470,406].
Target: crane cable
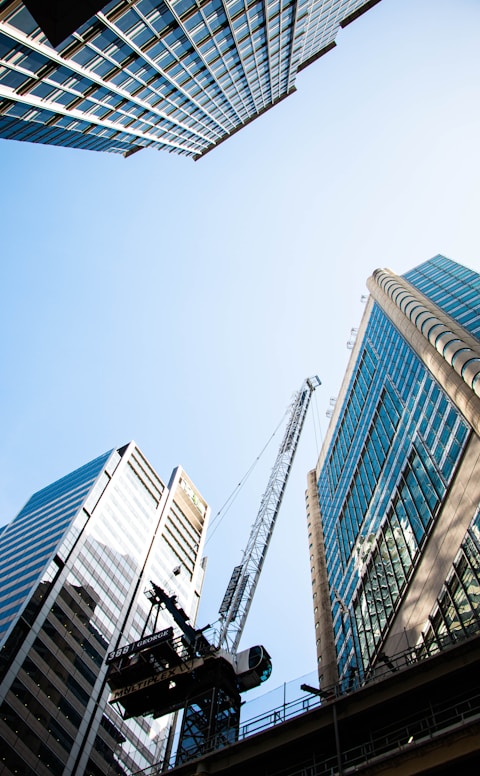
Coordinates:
[223,511]
[317,425]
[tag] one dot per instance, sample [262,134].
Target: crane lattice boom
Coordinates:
[241,588]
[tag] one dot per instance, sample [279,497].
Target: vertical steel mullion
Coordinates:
[269,55]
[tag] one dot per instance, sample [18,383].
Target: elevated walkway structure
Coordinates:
[417,718]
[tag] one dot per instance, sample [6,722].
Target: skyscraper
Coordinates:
[177,75]
[75,564]
[393,504]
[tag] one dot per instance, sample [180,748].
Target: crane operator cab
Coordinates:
[252,667]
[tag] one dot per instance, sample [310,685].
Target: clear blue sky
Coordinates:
[180,304]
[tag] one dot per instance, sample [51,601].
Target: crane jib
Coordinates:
[241,587]
[293,427]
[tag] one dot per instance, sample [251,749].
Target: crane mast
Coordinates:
[243,582]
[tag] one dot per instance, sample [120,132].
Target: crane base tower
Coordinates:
[163,673]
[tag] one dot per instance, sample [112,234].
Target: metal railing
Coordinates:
[427,724]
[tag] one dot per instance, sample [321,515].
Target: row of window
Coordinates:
[39,761]
[78,634]
[369,467]
[455,289]
[221,67]
[80,478]
[431,430]
[25,555]
[458,605]
[348,428]
[42,90]
[323,23]
[391,564]
[12,128]
[440,335]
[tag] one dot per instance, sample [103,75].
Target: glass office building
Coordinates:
[177,75]
[75,564]
[393,504]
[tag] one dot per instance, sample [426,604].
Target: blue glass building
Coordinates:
[177,75]
[393,504]
[75,564]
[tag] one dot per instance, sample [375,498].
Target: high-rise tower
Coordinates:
[178,75]
[393,504]
[75,564]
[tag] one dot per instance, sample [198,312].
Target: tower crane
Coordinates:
[164,672]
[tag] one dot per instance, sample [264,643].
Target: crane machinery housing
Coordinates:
[166,671]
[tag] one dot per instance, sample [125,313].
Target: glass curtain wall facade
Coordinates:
[456,611]
[75,565]
[392,504]
[176,75]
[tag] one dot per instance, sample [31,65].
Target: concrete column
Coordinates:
[324,635]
